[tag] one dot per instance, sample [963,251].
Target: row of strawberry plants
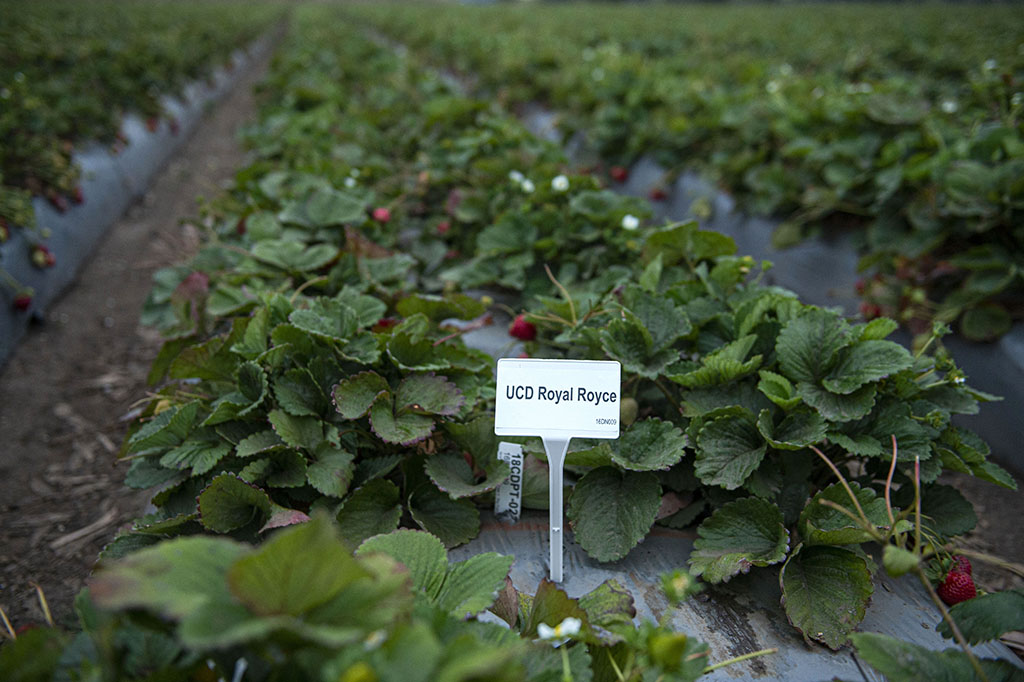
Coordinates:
[70,71]
[903,121]
[302,376]
[730,383]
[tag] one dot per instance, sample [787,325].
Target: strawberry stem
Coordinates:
[738,659]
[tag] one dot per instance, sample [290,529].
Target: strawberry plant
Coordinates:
[302,606]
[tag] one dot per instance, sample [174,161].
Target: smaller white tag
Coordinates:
[508,496]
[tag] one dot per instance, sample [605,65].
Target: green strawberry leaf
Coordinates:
[294,256]
[259,443]
[201,452]
[372,509]
[611,511]
[299,432]
[809,344]
[797,430]
[428,394]
[472,585]
[294,572]
[323,208]
[649,445]
[354,396]
[946,511]
[298,394]
[609,604]
[629,342]
[229,503]
[823,525]
[414,352]
[987,617]
[166,430]
[455,522]
[438,308]
[778,389]
[551,605]
[175,578]
[252,382]
[452,474]
[729,449]
[864,362]
[825,591]
[331,471]
[906,662]
[739,535]
[421,553]
[839,408]
[404,429]
[328,319]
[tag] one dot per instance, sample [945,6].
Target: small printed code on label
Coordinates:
[602,420]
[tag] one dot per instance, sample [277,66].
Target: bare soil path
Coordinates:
[65,390]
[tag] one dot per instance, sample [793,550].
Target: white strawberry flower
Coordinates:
[949,106]
[527,186]
[990,65]
[516,177]
[560,183]
[561,633]
[350,182]
[630,222]
[772,87]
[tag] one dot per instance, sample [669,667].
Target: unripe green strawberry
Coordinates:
[42,258]
[628,409]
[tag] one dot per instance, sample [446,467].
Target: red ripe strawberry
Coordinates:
[152,123]
[443,227]
[619,173]
[22,302]
[59,202]
[521,329]
[962,564]
[77,196]
[381,214]
[957,587]
[384,323]
[658,194]
[869,310]
[240,226]
[860,285]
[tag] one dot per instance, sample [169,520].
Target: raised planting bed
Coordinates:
[108,179]
[313,399]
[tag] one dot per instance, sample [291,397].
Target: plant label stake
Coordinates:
[557,400]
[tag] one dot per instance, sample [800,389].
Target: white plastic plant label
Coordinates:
[557,400]
[508,496]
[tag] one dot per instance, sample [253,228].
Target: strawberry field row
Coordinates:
[69,72]
[312,370]
[905,122]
